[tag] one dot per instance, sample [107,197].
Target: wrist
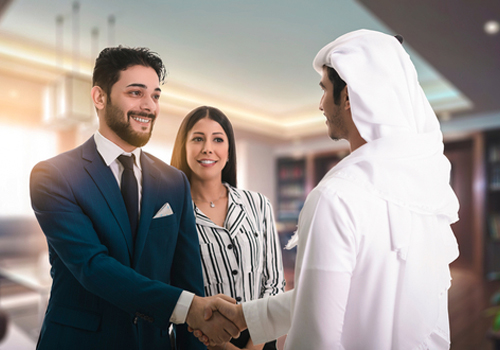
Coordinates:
[241,315]
[190,317]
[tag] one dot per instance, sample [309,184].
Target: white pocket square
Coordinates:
[164,211]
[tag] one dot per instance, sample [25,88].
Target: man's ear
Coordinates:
[347,103]
[98,97]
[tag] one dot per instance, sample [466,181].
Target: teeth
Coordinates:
[207,161]
[141,120]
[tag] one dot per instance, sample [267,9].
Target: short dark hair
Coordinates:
[338,84]
[179,152]
[112,60]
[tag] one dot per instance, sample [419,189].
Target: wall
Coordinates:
[256,167]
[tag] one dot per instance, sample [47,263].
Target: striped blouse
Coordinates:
[243,258]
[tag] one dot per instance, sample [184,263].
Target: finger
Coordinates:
[226,298]
[213,303]
[232,312]
[228,326]
[224,330]
[225,308]
[232,330]
[191,330]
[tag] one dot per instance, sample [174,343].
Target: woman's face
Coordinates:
[207,149]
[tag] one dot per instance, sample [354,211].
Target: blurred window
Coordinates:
[22,148]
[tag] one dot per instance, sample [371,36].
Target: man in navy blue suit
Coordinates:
[121,276]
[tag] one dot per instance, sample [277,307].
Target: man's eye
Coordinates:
[135,93]
[156,97]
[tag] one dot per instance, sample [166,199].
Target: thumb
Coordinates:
[208,312]
[225,308]
[218,304]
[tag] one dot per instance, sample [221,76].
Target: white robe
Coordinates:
[374,241]
[349,282]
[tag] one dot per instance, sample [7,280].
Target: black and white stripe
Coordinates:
[243,258]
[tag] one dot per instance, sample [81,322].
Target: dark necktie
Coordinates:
[130,192]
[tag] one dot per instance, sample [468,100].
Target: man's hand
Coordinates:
[216,327]
[231,311]
[228,309]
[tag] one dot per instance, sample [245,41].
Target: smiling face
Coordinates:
[128,114]
[207,150]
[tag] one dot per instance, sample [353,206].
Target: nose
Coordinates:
[321,103]
[149,104]
[207,148]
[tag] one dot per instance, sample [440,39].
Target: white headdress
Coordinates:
[404,149]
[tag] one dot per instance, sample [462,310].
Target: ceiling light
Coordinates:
[492,27]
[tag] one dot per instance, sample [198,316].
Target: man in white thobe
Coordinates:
[374,242]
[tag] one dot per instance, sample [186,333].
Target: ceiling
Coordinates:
[253,59]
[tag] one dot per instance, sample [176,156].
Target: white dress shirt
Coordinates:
[110,152]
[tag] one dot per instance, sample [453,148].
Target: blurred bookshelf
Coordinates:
[291,188]
[492,202]
[296,177]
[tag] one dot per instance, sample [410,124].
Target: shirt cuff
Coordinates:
[268,318]
[181,309]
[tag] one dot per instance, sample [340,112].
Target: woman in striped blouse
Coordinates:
[239,245]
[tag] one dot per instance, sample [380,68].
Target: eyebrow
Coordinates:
[202,133]
[142,86]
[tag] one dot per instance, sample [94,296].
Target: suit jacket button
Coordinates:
[135,320]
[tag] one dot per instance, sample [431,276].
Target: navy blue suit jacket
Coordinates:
[108,293]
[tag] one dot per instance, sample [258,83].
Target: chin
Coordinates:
[334,136]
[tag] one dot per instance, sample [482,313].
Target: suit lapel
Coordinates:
[106,182]
[150,188]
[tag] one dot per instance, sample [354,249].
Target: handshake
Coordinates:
[215,320]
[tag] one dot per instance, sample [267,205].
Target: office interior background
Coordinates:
[253,60]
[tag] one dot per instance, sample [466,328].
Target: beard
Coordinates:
[113,117]
[337,128]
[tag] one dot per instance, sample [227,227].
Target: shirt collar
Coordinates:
[109,151]
[233,195]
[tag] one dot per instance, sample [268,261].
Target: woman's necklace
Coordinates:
[212,203]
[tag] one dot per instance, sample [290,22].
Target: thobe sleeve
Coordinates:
[268,318]
[326,257]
